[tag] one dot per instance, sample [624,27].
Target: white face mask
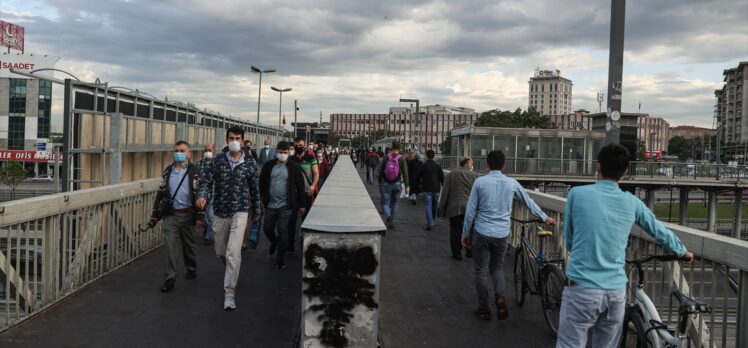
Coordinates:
[267,146]
[470,168]
[319,154]
[235,146]
[208,155]
[282,157]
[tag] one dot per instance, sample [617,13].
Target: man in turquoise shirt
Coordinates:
[488,214]
[597,223]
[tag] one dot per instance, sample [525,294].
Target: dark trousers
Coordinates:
[488,257]
[278,219]
[455,233]
[179,232]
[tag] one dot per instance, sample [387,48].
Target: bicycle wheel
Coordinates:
[520,277]
[633,335]
[552,288]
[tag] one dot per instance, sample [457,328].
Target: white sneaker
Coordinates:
[229,303]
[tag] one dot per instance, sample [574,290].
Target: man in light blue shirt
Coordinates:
[488,216]
[598,221]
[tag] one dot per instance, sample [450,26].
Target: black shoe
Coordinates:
[273,246]
[207,241]
[280,265]
[168,285]
[428,227]
[457,257]
[484,314]
[191,274]
[469,254]
[413,202]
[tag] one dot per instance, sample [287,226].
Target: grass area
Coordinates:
[698,211]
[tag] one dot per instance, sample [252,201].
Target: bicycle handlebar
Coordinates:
[527,221]
[669,257]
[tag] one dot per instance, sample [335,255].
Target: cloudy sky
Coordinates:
[361,56]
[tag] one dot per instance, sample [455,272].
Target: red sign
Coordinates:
[27,156]
[11,36]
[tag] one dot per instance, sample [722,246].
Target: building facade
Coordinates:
[25,109]
[429,130]
[578,120]
[550,94]
[730,115]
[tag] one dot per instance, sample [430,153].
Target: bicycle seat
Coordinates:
[542,234]
[690,306]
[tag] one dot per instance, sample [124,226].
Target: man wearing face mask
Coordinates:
[208,153]
[266,154]
[178,184]
[310,170]
[282,191]
[236,195]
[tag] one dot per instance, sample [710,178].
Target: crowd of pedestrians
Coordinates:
[229,196]
[478,211]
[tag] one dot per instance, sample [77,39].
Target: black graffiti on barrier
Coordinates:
[337,281]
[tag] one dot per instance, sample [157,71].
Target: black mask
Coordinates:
[298,149]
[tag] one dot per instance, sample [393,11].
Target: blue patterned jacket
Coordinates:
[234,190]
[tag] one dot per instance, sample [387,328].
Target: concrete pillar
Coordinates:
[738,213]
[711,222]
[115,152]
[683,206]
[649,198]
[741,336]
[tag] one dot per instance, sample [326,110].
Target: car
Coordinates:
[44,177]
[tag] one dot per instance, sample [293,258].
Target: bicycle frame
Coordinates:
[536,265]
[660,338]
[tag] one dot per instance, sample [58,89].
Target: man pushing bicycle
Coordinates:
[598,221]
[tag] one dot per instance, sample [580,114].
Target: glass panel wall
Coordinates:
[573,153]
[527,155]
[480,145]
[505,143]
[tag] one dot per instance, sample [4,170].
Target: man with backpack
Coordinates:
[372,161]
[393,174]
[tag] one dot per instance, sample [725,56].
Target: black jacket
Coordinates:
[430,177]
[296,187]
[414,166]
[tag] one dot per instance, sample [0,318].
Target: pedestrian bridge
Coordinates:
[77,271]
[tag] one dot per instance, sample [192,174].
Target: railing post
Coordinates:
[738,213]
[650,198]
[741,334]
[682,206]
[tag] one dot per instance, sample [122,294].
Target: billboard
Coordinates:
[25,63]
[12,36]
[27,156]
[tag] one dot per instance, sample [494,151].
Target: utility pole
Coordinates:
[615,71]
[295,121]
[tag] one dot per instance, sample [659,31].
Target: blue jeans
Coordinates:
[208,234]
[584,309]
[390,196]
[430,199]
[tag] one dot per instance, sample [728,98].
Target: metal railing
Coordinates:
[52,246]
[574,167]
[719,276]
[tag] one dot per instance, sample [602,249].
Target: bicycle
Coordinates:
[642,326]
[544,277]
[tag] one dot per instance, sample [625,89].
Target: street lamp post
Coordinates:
[418,122]
[259,90]
[280,104]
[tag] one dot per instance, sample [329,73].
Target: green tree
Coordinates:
[12,174]
[447,146]
[519,118]
[680,146]
[641,150]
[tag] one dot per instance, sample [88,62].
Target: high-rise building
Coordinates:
[550,94]
[730,114]
[429,130]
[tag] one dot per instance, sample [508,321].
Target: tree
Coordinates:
[518,119]
[447,146]
[12,174]
[680,146]
[641,150]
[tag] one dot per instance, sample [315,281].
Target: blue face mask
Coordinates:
[180,157]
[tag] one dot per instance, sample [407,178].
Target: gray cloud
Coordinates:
[162,42]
